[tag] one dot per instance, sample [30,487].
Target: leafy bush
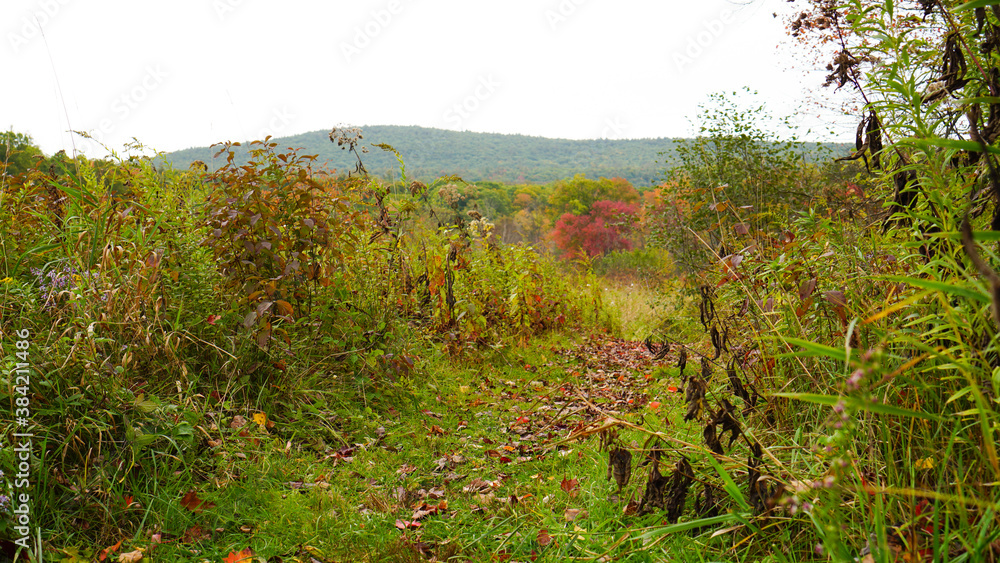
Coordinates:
[604,229]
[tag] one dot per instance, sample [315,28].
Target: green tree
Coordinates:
[578,194]
[17,152]
[734,172]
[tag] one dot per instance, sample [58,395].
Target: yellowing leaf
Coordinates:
[260,418]
[925,463]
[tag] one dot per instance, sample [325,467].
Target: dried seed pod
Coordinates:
[680,481]
[620,467]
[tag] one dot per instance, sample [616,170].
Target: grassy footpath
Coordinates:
[472,466]
[465,459]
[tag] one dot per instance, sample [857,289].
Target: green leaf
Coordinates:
[988,236]
[684,526]
[943,287]
[926,144]
[814,349]
[728,484]
[854,402]
[977,4]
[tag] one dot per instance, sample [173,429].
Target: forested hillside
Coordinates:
[431,153]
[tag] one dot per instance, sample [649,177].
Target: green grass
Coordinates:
[283,493]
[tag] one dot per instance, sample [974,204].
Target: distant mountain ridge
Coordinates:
[509,158]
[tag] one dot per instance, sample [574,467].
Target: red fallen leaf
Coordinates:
[570,486]
[128,500]
[109,550]
[653,405]
[523,420]
[246,554]
[194,534]
[672,389]
[212,318]
[504,459]
[543,538]
[191,502]
[407,524]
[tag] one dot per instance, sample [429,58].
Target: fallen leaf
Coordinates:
[653,405]
[109,550]
[242,556]
[191,502]
[260,418]
[572,514]
[405,524]
[130,557]
[543,538]
[570,486]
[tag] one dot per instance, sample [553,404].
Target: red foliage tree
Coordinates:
[606,228]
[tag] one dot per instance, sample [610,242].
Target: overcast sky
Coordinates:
[190,73]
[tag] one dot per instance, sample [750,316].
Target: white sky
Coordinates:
[190,73]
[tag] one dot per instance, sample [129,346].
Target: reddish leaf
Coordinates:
[242,556]
[570,486]
[407,524]
[807,288]
[543,538]
[838,300]
[109,550]
[191,502]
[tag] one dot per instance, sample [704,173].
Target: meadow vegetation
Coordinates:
[761,358]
